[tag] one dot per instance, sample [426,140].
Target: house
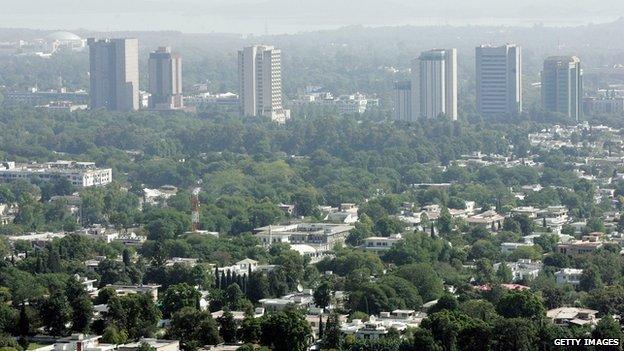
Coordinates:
[489,219]
[528,211]
[322,236]
[77,342]
[564,316]
[239,315]
[86,283]
[569,276]
[578,247]
[303,300]
[308,251]
[381,244]
[241,267]
[150,289]
[190,262]
[365,330]
[155,344]
[523,269]
[507,248]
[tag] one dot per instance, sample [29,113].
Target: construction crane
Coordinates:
[195,209]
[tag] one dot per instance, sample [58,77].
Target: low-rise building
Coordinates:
[122,290]
[507,248]
[79,174]
[489,219]
[569,276]
[578,247]
[565,316]
[381,244]
[154,344]
[523,269]
[321,236]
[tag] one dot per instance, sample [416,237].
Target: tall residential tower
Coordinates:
[114,74]
[562,85]
[434,84]
[260,82]
[165,80]
[499,80]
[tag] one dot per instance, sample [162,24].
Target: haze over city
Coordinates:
[289,16]
[318,175]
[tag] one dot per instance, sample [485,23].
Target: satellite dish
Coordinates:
[299,288]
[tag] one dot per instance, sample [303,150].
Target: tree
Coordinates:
[445,221]
[322,294]
[257,286]
[135,314]
[227,327]
[112,335]
[82,314]
[286,331]
[608,328]
[504,274]
[520,304]
[516,334]
[178,296]
[250,330]
[194,329]
[234,297]
[590,279]
[332,334]
[55,313]
[423,340]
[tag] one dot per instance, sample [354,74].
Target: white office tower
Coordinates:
[434,84]
[165,80]
[114,74]
[403,101]
[499,80]
[260,82]
[562,85]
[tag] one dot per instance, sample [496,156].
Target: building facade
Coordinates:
[165,80]
[434,84]
[114,74]
[260,83]
[403,101]
[80,174]
[562,85]
[499,80]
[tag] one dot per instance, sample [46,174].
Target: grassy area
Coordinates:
[34,345]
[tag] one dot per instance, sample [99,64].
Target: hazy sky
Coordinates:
[286,16]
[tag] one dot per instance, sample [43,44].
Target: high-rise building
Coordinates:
[165,80]
[562,85]
[434,84]
[260,82]
[114,74]
[403,101]
[499,80]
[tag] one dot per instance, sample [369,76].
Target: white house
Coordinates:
[569,276]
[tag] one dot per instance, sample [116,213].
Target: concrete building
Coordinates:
[434,84]
[381,244]
[114,74]
[565,316]
[403,101]
[599,106]
[165,80]
[499,80]
[321,236]
[80,174]
[260,83]
[562,85]
[569,276]
[523,269]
